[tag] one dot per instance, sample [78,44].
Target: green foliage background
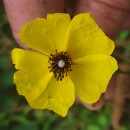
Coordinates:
[15,114]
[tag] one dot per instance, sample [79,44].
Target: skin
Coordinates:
[112,16]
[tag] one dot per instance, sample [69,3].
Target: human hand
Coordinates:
[111,16]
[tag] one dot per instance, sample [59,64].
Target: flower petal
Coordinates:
[46,35]
[33,75]
[58,96]
[84,37]
[91,76]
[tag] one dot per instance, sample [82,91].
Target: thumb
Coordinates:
[109,94]
[109,15]
[21,12]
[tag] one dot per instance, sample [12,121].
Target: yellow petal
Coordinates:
[58,96]
[91,76]
[33,75]
[84,37]
[46,35]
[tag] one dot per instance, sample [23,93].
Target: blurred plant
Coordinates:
[121,114]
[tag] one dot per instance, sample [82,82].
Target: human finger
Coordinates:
[109,15]
[21,12]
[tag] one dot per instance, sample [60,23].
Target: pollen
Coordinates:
[60,64]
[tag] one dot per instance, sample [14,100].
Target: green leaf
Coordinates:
[25,127]
[93,127]
[123,35]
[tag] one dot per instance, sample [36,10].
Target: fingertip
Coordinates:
[16,37]
[111,89]
[95,106]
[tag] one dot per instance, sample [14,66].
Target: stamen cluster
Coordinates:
[60,72]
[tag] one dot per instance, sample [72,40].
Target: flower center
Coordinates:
[60,64]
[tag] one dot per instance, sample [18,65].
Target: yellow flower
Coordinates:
[69,57]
